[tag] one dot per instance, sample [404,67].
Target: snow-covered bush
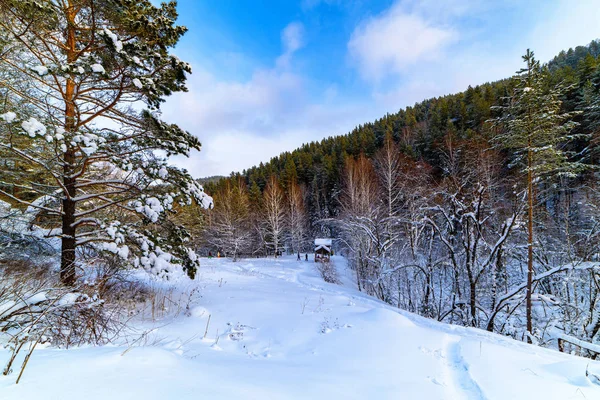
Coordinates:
[35,309]
[328,271]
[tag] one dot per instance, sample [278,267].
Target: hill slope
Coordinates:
[285,334]
[420,132]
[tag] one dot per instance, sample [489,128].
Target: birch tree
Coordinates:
[296,217]
[361,225]
[274,214]
[230,223]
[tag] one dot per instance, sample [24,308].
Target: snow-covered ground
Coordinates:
[277,331]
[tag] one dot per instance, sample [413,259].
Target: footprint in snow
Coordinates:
[434,380]
[434,353]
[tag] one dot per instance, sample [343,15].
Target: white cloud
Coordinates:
[389,43]
[292,39]
[475,58]
[447,10]
[241,123]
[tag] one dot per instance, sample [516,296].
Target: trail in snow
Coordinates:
[459,381]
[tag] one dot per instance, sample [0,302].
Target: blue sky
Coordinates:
[270,75]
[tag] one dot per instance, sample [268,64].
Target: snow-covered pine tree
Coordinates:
[536,131]
[590,103]
[90,76]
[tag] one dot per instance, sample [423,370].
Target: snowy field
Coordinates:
[277,331]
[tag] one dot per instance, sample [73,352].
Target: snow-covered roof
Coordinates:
[323,242]
[328,249]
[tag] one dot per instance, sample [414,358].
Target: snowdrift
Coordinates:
[277,331]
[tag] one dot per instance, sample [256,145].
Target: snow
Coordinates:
[163,173]
[590,346]
[115,40]
[14,221]
[33,127]
[90,142]
[37,298]
[69,298]
[34,207]
[323,242]
[277,331]
[121,251]
[159,263]
[151,209]
[98,68]
[40,69]
[137,83]
[8,116]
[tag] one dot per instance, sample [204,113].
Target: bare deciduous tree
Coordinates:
[229,228]
[296,217]
[274,214]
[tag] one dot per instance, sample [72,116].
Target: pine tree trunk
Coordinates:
[67,262]
[529,243]
[68,245]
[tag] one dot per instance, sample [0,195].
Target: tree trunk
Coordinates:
[358,268]
[495,277]
[473,301]
[67,262]
[68,245]
[529,243]
[426,305]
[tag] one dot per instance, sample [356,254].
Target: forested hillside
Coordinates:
[478,208]
[419,132]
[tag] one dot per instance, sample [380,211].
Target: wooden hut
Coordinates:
[323,250]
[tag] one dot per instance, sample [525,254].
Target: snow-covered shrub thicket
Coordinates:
[328,271]
[36,310]
[229,229]
[452,247]
[246,222]
[76,78]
